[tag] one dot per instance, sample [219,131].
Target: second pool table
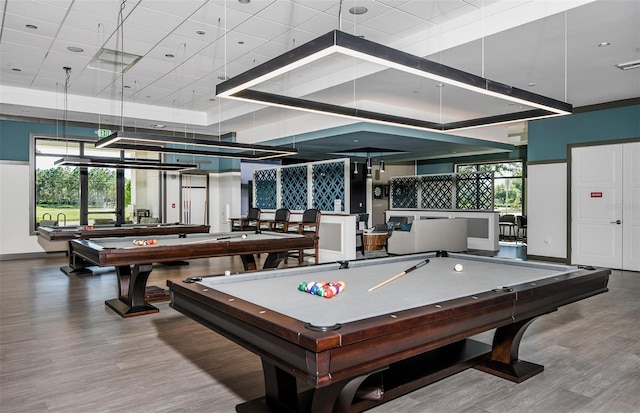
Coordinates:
[361,348]
[134,262]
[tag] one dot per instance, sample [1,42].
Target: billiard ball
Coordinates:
[457,267]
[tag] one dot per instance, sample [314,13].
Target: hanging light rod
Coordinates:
[337,42]
[191,146]
[99,162]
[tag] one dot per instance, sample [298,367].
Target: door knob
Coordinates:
[616,222]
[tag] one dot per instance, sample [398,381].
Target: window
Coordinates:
[507,184]
[66,196]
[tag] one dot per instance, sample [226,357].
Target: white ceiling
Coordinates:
[549,47]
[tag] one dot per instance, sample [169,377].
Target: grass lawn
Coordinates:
[72,214]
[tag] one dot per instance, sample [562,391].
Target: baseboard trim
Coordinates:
[31,255]
[547,259]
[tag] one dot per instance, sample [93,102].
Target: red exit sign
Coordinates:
[596,195]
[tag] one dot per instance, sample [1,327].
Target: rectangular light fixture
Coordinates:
[339,43]
[191,146]
[629,65]
[99,162]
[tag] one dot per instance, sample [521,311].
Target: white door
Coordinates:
[601,234]
[631,208]
[194,199]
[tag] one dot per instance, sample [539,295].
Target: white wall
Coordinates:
[172,206]
[547,210]
[224,199]
[14,210]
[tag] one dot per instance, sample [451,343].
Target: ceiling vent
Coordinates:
[113,61]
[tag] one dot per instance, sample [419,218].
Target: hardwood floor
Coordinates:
[62,350]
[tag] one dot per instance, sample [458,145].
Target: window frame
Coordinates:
[522,176]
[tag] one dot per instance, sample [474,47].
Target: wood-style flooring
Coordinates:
[63,351]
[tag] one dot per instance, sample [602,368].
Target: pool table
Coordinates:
[69,233]
[361,348]
[134,262]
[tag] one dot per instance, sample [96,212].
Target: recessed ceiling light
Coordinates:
[31,26]
[358,10]
[126,87]
[604,44]
[75,49]
[221,77]
[212,100]
[244,1]
[241,42]
[169,55]
[15,69]
[200,32]
[532,84]
[158,126]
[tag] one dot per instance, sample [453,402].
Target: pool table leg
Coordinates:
[76,264]
[249,262]
[274,259]
[132,283]
[281,394]
[504,360]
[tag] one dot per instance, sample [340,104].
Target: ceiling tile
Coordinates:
[36,10]
[215,14]
[19,23]
[150,18]
[320,24]
[102,9]
[190,28]
[28,66]
[259,27]
[433,10]
[394,22]
[13,36]
[288,13]
[17,49]
[101,26]
[182,8]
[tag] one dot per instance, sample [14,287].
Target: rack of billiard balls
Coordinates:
[322,289]
[143,242]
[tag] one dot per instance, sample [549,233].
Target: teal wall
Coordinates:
[14,143]
[14,137]
[446,166]
[548,138]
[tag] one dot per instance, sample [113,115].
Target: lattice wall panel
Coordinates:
[266,188]
[474,191]
[328,185]
[294,190]
[436,192]
[404,192]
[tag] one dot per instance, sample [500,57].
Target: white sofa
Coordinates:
[442,234]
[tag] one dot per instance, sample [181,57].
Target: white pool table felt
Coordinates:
[431,284]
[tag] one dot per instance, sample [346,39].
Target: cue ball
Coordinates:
[458,267]
[244,236]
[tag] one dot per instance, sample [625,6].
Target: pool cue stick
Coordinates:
[214,239]
[405,272]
